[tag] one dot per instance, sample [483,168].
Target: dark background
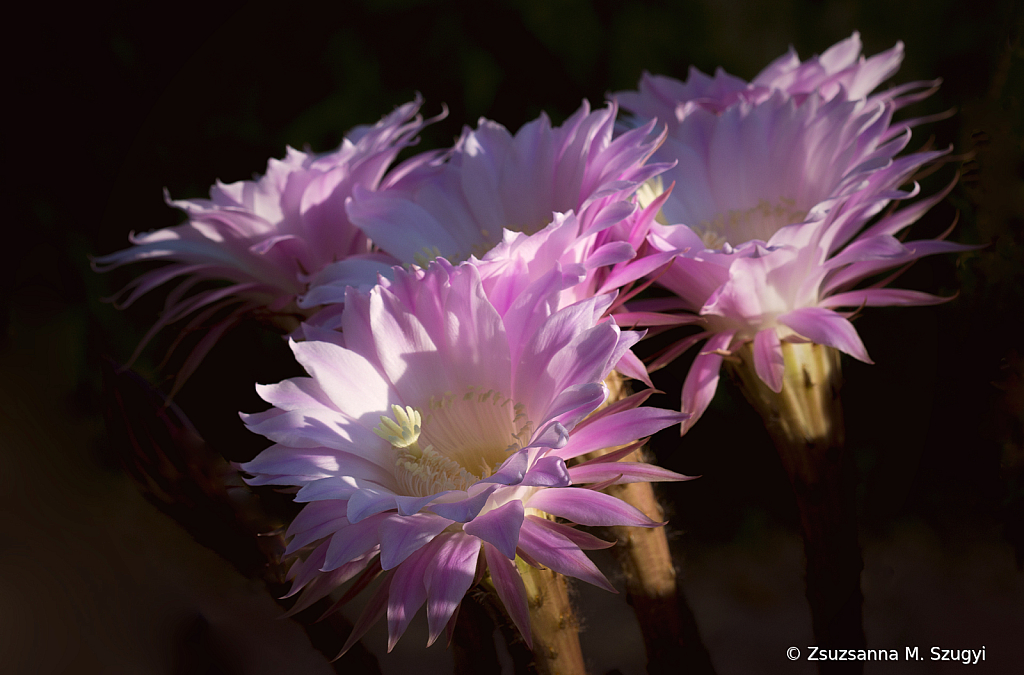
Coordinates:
[115,102]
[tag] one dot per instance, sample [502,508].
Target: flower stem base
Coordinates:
[805,420]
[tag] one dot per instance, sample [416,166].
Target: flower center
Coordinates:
[735,226]
[741,225]
[459,441]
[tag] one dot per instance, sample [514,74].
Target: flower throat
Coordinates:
[459,441]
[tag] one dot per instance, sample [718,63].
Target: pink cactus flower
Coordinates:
[778,208]
[841,68]
[434,430]
[267,238]
[492,181]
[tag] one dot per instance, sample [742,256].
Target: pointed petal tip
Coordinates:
[432,638]
[687,422]
[344,650]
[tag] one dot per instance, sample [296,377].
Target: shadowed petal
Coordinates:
[511,590]
[448,577]
[408,592]
[353,541]
[400,536]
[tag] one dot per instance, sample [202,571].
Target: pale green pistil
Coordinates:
[404,430]
[420,472]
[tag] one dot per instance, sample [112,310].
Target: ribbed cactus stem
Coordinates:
[553,624]
[669,629]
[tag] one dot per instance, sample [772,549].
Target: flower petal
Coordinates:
[350,542]
[511,590]
[400,536]
[499,527]
[882,297]
[408,592]
[627,472]
[618,429]
[373,611]
[588,507]
[702,380]
[464,510]
[554,550]
[584,540]
[547,472]
[768,361]
[448,577]
[826,328]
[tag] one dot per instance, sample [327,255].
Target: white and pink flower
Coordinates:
[434,428]
[778,206]
[268,238]
[492,181]
[566,192]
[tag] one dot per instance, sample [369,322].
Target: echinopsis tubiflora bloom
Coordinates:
[268,238]
[518,205]
[778,209]
[435,427]
[493,181]
[545,194]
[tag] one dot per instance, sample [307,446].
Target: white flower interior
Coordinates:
[760,222]
[733,226]
[455,442]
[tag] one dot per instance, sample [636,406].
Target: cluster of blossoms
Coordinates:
[458,313]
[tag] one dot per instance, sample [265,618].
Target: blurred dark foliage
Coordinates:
[115,101]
